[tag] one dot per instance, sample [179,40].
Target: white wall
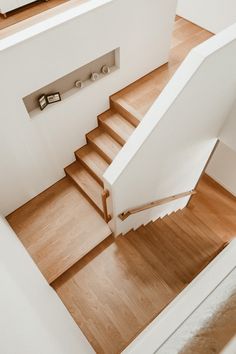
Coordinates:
[228,133]
[222,166]
[168,151]
[33,319]
[202,330]
[33,152]
[213,15]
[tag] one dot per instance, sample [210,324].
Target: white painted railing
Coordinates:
[168,151]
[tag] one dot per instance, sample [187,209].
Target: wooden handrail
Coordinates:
[147,206]
[105,195]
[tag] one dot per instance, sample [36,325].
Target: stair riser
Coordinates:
[98,179]
[101,152]
[110,131]
[86,195]
[129,116]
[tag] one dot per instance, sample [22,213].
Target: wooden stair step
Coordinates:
[148,247]
[169,235]
[105,145]
[199,226]
[127,111]
[86,184]
[116,125]
[93,161]
[201,241]
[58,228]
[168,240]
[190,247]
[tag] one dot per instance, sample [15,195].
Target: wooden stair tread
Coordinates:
[138,100]
[199,226]
[86,183]
[191,247]
[126,110]
[119,127]
[121,101]
[93,161]
[196,236]
[179,232]
[58,228]
[104,143]
[163,264]
[169,241]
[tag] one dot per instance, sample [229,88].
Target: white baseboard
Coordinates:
[164,325]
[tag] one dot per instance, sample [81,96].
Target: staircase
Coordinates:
[103,144]
[127,109]
[70,219]
[125,282]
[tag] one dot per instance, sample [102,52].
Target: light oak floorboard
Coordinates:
[58,228]
[216,208]
[143,93]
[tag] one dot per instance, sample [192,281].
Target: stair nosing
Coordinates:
[82,190]
[111,131]
[103,122]
[88,168]
[128,110]
[98,148]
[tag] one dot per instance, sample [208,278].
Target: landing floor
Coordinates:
[58,228]
[33,13]
[120,287]
[139,96]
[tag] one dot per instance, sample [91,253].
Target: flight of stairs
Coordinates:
[135,277]
[183,243]
[103,144]
[127,108]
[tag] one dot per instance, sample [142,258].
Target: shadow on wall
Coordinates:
[217,333]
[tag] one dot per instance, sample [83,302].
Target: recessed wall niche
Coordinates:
[66,84]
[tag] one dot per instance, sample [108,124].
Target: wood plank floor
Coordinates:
[33,13]
[120,287]
[216,207]
[139,96]
[58,228]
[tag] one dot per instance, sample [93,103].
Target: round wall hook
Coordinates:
[105,69]
[79,84]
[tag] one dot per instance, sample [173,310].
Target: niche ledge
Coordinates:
[66,84]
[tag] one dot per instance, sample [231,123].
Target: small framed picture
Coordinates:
[53,97]
[42,102]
